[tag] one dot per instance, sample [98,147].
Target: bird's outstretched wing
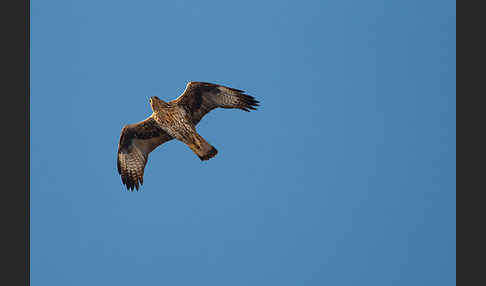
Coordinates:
[136,142]
[201,97]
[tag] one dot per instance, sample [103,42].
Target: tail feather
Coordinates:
[203,150]
[209,155]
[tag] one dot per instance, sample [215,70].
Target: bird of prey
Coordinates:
[175,119]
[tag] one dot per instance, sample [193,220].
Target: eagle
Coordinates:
[175,119]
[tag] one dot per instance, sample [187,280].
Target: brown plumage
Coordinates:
[175,119]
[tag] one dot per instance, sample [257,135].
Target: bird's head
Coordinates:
[157,103]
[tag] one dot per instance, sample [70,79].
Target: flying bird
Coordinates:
[175,119]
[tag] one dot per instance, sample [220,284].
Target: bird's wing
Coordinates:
[136,142]
[201,97]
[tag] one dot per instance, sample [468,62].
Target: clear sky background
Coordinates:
[344,176]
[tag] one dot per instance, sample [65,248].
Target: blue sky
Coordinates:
[344,176]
